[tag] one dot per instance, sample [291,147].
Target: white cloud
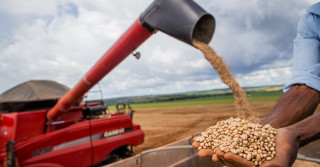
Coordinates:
[273,76]
[61,40]
[30,7]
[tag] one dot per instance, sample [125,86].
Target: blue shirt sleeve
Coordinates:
[306,59]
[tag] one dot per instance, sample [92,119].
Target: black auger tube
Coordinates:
[181,19]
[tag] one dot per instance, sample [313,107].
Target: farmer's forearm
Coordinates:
[307,130]
[295,105]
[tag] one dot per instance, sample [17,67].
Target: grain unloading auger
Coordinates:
[182,19]
[70,134]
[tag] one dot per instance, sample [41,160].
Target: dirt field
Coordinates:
[165,125]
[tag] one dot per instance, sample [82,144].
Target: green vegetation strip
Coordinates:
[252,97]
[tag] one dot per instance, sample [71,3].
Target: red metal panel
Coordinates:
[66,119]
[126,44]
[21,126]
[63,155]
[78,155]
[70,143]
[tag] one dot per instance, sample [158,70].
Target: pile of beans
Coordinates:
[253,142]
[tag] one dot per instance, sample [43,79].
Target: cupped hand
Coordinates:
[232,160]
[286,147]
[206,152]
[229,159]
[286,152]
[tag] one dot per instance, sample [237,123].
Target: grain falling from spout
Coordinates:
[243,108]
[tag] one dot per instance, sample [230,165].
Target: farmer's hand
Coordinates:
[286,147]
[205,152]
[229,159]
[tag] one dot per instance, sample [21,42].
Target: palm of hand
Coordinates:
[229,159]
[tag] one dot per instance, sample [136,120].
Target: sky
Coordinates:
[61,40]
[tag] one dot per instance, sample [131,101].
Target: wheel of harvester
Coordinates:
[117,154]
[124,152]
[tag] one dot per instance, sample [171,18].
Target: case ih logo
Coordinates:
[113,132]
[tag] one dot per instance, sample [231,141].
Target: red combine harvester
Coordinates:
[73,134]
[84,136]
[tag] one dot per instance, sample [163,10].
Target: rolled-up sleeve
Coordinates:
[306,60]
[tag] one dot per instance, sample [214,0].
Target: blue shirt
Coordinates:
[306,53]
